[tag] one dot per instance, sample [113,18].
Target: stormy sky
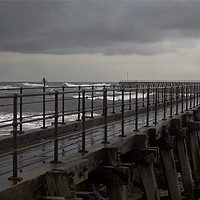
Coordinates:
[99,40]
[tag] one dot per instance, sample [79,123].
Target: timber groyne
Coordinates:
[144,145]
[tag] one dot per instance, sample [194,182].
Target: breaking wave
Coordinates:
[88,85]
[32,85]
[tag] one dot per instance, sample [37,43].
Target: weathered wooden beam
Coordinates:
[110,156]
[112,162]
[166,144]
[59,184]
[117,192]
[145,157]
[77,170]
[171,173]
[180,133]
[154,133]
[194,148]
[131,167]
[194,126]
[186,174]
[149,180]
[117,175]
[187,117]
[196,114]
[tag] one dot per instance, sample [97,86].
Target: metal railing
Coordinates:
[149,102]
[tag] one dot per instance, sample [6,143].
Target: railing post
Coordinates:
[164,99]
[177,99]
[136,109]
[92,102]
[182,99]
[20,111]
[44,103]
[83,150]
[163,94]
[63,105]
[130,99]
[113,108]
[143,96]
[167,93]
[15,163]
[171,102]
[79,103]
[190,97]
[194,99]
[105,108]
[15,177]
[147,112]
[122,114]
[56,130]
[186,98]
[197,94]
[156,106]
[153,94]
[104,99]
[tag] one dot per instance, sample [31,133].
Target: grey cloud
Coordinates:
[107,27]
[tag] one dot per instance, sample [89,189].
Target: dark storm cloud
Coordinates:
[108,27]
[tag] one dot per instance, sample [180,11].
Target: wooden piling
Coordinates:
[166,144]
[180,133]
[185,169]
[193,143]
[58,184]
[145,159]
[116,187]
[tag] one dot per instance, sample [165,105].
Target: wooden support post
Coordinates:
[185,169]
[169,167]
[196,114]
[171,174]
[116,189]
[144,159]
[149,180]
[180,134]
[117,192]
[117,178]
[193,142]
[59,184]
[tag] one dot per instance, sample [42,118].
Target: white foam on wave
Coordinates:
[102,84]
[33,84]
[7,118]
[118,96]
[4,87]
[76,85]
[88,85]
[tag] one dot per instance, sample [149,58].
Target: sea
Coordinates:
[32,107]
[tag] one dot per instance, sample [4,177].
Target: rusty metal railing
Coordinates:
[150,101]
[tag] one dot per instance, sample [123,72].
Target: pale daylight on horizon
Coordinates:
[99,40]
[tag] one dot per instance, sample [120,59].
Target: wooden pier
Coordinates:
[149,141]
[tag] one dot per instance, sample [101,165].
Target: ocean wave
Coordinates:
[32,85]
[6,119]
[118,96]
[76,85]
[88,85]
[4,87]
